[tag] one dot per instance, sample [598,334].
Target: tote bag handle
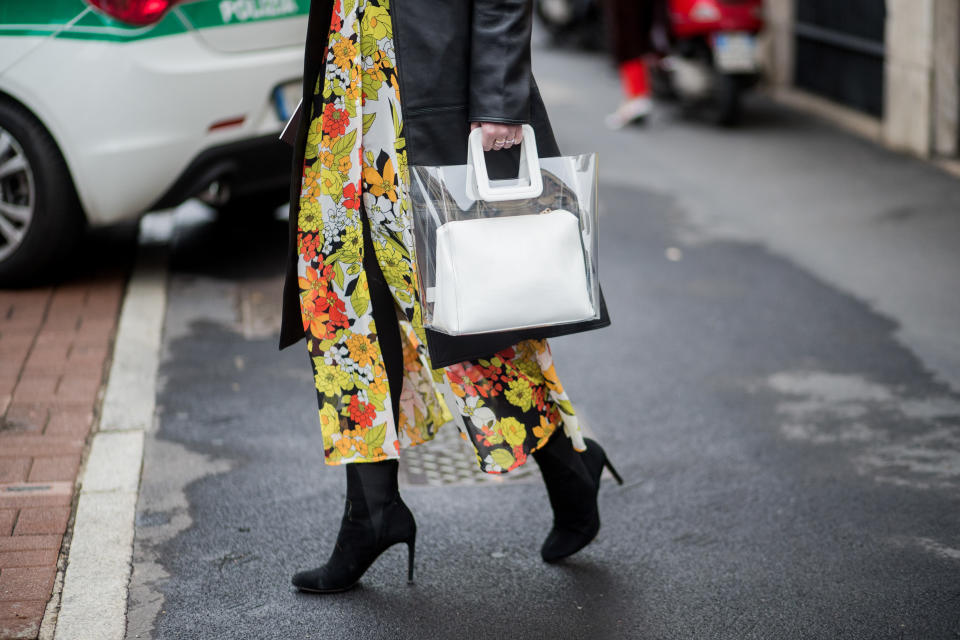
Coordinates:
[478,180]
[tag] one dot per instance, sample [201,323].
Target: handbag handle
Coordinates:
[478,180]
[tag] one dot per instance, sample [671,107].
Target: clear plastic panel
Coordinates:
[494,266]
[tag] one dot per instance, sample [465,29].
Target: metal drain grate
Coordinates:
[449,460]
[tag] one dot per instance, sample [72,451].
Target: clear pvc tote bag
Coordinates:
[506,255]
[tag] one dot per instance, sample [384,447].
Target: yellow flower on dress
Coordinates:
[331,380]
[327,159]
[376,22]
[344,164]
[329,424]
[380,185]
[520,394]
[352,239]
[331,183]
[512,431]
[361,349]
[311,215]
[395,264]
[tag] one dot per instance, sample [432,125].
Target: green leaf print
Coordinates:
[331,183]
[348,6]
[337,272]
[397,127]
[314,137]
[368,119]
[567,407]
[360,301]
[344,144]
[503,458]
[375,436]
[371,85]
[369,45]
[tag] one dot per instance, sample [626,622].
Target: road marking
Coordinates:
[93,603]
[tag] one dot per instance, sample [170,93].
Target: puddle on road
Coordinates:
[903,440]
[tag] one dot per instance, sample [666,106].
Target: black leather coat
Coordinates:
[459,61]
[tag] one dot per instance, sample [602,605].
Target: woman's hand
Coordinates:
[498,136]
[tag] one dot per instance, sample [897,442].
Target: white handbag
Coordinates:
[510,272]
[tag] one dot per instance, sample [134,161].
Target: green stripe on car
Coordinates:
[52,17]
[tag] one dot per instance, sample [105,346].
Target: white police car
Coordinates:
[111,108]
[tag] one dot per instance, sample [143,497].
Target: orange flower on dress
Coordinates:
[310,179]
[344,52]
[361,349]
[313,286]
[343,445]
[379,384]
[335,120]
[351,199]
[544,429]
[381,185]
[362,413]
[314,320]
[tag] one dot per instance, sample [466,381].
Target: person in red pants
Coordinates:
[634,31]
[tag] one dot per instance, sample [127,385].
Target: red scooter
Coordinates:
[712,56]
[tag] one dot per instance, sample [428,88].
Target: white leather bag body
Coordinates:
[513,272]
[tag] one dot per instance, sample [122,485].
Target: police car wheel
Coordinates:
[39,210]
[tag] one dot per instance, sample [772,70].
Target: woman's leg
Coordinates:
[374,516]
[573,480]
[629,24]
[385,319]
[374,519]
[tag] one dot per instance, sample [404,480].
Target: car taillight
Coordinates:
[136,12]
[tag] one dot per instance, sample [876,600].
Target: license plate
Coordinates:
[285,98]
[735,52]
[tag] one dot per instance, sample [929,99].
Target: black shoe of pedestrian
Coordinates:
[573,481]
[374,519]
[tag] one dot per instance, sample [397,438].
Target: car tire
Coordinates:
[40,214]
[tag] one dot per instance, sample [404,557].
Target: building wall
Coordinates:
[946,77]
[921,74]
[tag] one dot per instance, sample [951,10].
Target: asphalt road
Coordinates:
[792,462]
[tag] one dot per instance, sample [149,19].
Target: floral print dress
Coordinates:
[507,406]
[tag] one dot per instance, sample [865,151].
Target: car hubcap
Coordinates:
[17,194]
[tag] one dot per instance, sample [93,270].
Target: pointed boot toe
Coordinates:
[563,543]
[317,581]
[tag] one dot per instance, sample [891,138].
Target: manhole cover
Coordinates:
[448,459]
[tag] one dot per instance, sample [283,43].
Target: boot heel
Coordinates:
[613,472]
[411,549]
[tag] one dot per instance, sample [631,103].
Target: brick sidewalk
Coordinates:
[54,346]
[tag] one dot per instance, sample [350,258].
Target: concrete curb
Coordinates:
[93,603]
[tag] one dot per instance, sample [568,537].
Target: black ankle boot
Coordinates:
[573,480]
[374,519]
